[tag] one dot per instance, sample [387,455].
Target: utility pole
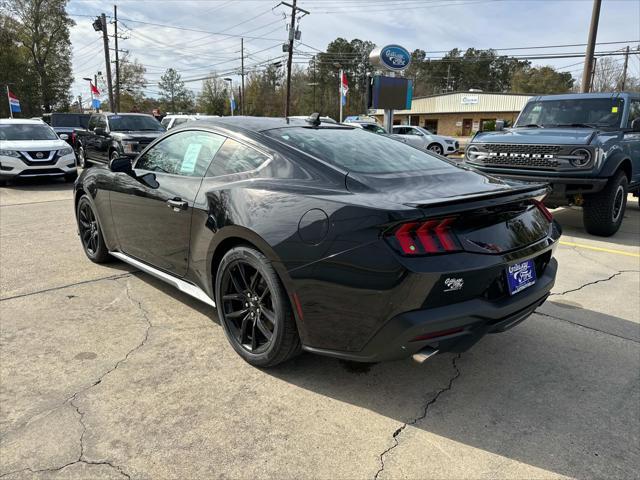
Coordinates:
[115,36]
[624,69]
[242,75]
[292,34]
[105,39]
[80,103]
[591,45]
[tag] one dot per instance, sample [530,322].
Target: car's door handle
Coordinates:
[177,204]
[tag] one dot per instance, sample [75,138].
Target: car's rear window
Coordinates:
[355,150]
[27,131]
[69,120]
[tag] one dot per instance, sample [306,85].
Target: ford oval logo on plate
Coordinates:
[395,57]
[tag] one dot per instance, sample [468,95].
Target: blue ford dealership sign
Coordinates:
[392,57]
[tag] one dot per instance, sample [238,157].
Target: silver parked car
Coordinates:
[425,140]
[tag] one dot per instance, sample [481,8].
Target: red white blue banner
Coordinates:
[14,103]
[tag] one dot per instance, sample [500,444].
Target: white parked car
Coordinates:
[425,140]
[31,148]
[172,121]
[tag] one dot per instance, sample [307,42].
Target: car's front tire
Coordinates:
[602,212]
[253,308]
[82,161]
[90,232]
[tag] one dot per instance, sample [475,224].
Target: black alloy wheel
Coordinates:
[90,233]
[254,309]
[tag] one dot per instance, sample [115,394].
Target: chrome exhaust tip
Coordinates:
[424,354]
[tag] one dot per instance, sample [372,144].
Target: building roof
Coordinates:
[466,102]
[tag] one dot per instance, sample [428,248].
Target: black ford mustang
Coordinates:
[323,238]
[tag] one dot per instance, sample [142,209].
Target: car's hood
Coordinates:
[538,136]
[449,183]
[137,135]
[33,145]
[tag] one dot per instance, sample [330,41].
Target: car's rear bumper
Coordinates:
[455,327]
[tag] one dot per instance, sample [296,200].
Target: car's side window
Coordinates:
[634,111]
[185,153]
[93,120]
[235,157]
[400,130]
[101,122]
[414,131]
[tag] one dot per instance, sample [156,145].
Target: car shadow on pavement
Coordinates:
[50,184]
[550,394]
[571,221]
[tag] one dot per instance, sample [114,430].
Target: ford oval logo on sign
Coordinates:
[393,57]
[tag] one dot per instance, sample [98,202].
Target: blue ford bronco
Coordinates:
[586,146]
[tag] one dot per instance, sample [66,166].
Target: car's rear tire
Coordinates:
[435,148]
[253,308]
[602,212]
[90,232]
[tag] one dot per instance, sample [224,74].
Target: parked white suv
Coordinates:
[425,140]
[31,148]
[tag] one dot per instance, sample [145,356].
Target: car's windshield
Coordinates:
[122,123]
[27,131]
[588,112]
[355,150]
[69,120]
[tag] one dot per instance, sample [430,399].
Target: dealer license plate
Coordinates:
[520,276]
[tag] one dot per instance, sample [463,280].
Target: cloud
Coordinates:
[432,25]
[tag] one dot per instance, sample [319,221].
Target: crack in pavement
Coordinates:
[586,326]
[421,417]
[82,282]
[70,400]
[619,272]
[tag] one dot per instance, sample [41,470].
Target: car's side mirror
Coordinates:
[121,164]
[635,125]
[100,131]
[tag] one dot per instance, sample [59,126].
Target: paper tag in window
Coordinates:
[190,158]
[614,109]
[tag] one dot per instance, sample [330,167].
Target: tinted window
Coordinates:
[235,157]
[101,122]
[358,151]
[600,112]
[165,121]
[399,130]
[185,153]
[93,121]
[180,121]
[123,123]
[27,131]
[634,111]
[69,120]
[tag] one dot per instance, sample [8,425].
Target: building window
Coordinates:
[414,120]
[487,124]
[431,125]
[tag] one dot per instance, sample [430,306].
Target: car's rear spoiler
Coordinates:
[481,200]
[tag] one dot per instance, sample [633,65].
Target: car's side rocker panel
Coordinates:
[185,287]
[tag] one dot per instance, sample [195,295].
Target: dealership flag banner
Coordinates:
[14,103]
[94,89]
[344,88]
[232,101]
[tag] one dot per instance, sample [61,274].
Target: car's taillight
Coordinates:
[428,237]
[545,211]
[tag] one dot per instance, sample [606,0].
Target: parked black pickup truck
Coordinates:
[113,135]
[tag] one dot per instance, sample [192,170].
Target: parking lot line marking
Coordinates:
[600,249]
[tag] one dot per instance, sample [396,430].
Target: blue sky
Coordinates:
[212,43]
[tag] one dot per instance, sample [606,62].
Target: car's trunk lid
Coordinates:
[490,215]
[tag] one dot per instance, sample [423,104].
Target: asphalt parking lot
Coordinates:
[107,373]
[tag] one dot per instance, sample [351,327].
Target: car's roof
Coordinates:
[124,114]
[24,121]
[586,96]
[261,124]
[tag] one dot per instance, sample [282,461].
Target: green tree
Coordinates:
[214,97]
[540,80]
[132,83]
[42,28]
[173,93]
